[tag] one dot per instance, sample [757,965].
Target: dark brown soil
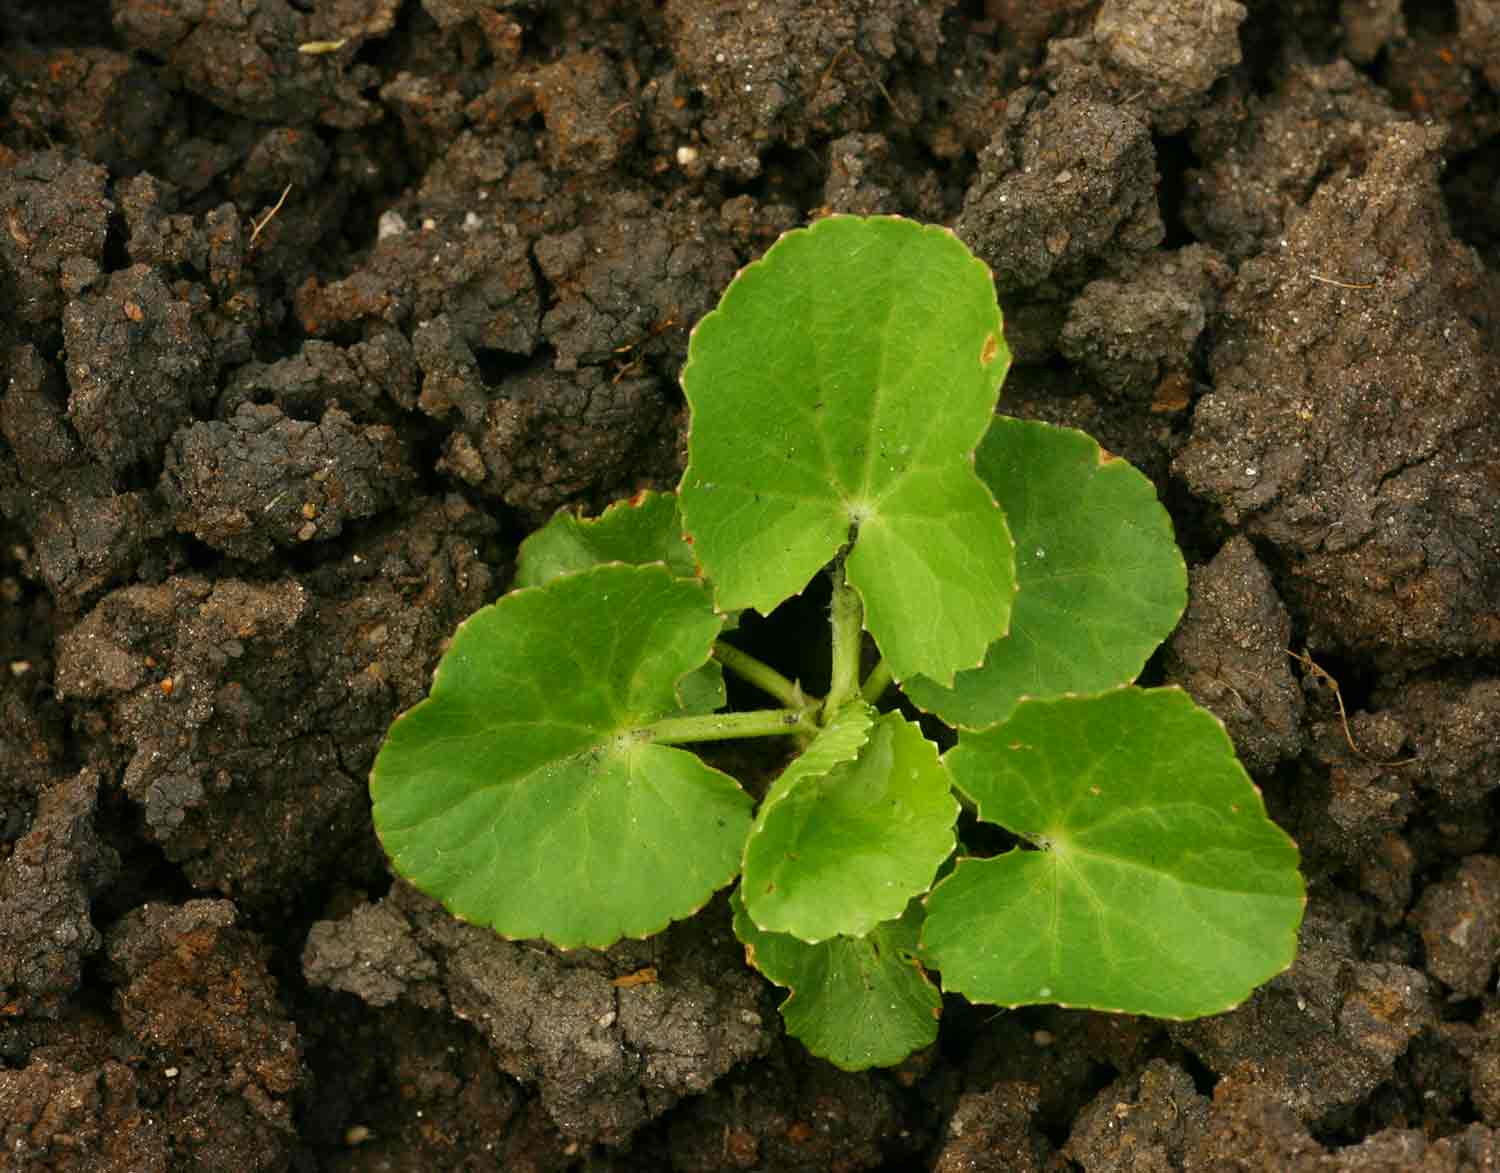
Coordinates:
[310,312]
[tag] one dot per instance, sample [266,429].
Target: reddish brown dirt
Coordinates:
[312,311]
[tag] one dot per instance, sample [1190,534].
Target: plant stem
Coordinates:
[876,683]
[848,635]
[725,726]
[762,676]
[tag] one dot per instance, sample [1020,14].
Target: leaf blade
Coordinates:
[839,850]
[1101,580]
[647,528]
[522,778]
[858,1002]
[855,355]
[1161,889]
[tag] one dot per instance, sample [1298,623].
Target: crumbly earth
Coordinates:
[311,312]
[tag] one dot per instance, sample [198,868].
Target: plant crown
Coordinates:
[1010,577]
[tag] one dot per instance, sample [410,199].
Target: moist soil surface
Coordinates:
[309,313]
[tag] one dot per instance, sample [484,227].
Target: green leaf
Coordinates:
[840,846]
[838,744]
[1161,887]
[839,391]
[702,691]
[1102,582]
[522,792]
[643,530]
[647,528]
[858,1002]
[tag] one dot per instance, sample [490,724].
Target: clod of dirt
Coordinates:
[792,1114]
[136,364]
[590,118]
[75,1104]
[1421,745]
[786,70]
[31,724]
[479,277]
[1141,1121]
[45,889]
[248,60]
[1326,1032]
[259,481]
[375,381]
[1351,422]
[1450,725]
[606,1055]
[1352,806]
[55,212]
[193,990]
[1158,57]
[246,715]
[371,953]
[864,179]
[1459,920]
[1230,652]
[214,246]
[108,106]
[1369,26]
[83,535]
[1250,1130]
[1133,336]
[1480,1045]
[452,383]
[1066,191]
[556,438]
[992,1132]
[632,283]
[156,234]
[1264,156]
[1479,37]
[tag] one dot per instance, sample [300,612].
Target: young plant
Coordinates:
[1013,579]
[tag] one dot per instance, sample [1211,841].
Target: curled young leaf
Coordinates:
[645,529]
[839,846]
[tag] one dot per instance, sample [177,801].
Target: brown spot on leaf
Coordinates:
[989,350]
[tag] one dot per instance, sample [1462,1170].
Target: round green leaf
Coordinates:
[521,792]
[1102,582]
[647,528]
[1161,886]
[839,391]
[858,1002]
[838,850]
